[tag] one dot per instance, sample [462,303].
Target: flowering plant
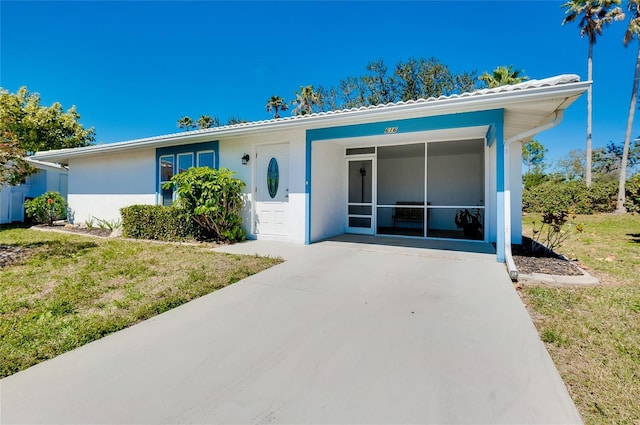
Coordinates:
[47,208]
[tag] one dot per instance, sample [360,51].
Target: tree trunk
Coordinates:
[627,139]
[587,173]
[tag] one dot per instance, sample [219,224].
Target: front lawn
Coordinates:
[593,334]
[70,290]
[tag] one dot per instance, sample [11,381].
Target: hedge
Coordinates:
[578,198]
[156,222]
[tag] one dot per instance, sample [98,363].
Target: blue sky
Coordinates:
[133,68]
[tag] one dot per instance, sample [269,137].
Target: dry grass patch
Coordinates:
[593,334]
[72,290]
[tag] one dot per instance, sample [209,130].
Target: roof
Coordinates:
[44,164]
[538,99]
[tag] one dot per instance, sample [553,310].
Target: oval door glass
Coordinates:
[273,178]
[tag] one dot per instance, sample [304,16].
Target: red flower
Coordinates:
[49,201]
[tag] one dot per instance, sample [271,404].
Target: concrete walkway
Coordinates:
[342,332]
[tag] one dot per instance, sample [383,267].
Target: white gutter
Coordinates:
[555,120]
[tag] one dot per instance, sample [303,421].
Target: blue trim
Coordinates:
[494,118]
[192,148]
[439,122]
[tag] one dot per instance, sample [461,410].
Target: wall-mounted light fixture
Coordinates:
[245,159]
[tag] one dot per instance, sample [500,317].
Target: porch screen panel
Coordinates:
[400,190]
[360,207]
[455,182]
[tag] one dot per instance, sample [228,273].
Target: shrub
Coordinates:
[47,208]
[212,199]
[632,189]
[574,196]
[554,229]
[155,222]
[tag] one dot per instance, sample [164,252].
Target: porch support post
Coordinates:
[500,198]
[307,190]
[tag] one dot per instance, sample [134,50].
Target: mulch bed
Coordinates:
[531,257]
[95,231]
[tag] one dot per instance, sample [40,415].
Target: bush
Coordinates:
[632,189]
[570,196]
[212,199]
[47,208]
[156,222]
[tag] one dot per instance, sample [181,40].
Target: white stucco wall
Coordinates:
[231,152]
[100,185]
[328,192]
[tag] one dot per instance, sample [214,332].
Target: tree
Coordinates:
[206,121]
[607,161]
[305,100]
[233,120]
[276,103]
[467,81]
[533,155]
[379,85]
[633,31]
[533,158]
[571,167]
[27,127]
[328,98]
[502,76]
[593,15]
[186,123]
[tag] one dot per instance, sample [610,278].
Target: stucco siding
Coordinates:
[328,192]
[100,185]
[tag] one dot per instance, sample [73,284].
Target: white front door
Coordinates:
[272,189]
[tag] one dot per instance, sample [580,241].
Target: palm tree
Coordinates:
[206,121]
[593,15]
[276,103]
[633,31]
[502,76]
[305,100]
[186,123]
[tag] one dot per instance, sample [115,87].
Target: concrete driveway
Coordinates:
[342,332]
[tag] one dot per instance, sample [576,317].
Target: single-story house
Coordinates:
[50,177]
[403,169]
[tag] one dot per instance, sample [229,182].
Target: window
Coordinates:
[176,159]
[185,161]
[167,166]
[206,159]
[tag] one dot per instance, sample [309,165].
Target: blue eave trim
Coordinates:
[190,148]
[409,125]
[494,118]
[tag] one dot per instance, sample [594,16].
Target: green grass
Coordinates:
[593,334]
[71,290]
